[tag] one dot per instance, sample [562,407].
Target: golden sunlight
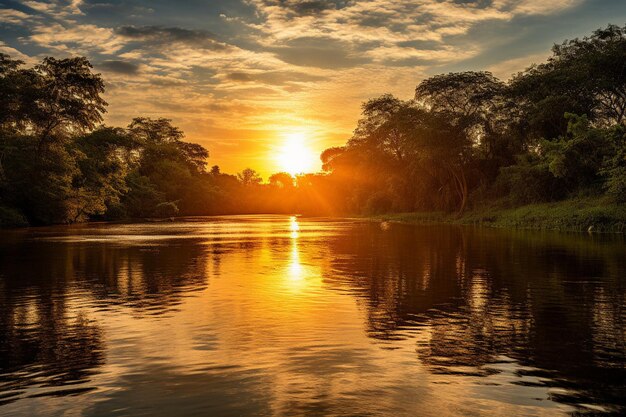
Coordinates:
[294,227]
[295,156]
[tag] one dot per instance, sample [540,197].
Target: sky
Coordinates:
[251,79]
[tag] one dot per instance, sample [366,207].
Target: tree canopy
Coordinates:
[465,139]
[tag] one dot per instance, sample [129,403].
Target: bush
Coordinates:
[616,184]
[169,209]
[614,170]
[10,217]
[116,211]
[528,182]
[378,203]
[577,157]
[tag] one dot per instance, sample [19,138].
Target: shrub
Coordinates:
[378,203]
[10,217]
[616,184]
[530,181]
[169,209]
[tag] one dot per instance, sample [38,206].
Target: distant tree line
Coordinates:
[554,131]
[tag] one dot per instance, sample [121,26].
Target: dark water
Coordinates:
[284,316]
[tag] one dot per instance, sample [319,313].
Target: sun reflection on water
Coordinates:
[294,227]
[299,275]
[295,268]
[276,311]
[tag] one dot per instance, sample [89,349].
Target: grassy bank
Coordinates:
[570,215]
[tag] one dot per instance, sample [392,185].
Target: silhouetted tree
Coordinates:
[249,177]
[281,180]
[553,131]
[66,98]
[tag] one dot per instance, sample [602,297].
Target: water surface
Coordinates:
[277,315]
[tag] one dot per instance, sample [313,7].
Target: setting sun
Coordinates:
[295,156]
[336,207]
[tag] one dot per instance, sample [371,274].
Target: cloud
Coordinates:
[306,7]
[322,52]
[75,39]
[240,76]
[120,67]
[12,16]
[274,77]
[55,8]
[542,7]
[420,44]
[159,35]
[15,54]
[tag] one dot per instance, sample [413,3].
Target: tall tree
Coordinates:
[583,76]
[67,98]
[249,177]
[282,180]
[155,131]
[476,103]
[597,63]
[167,169]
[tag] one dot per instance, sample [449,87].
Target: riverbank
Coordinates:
[579,215]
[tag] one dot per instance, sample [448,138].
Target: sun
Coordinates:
[295,156]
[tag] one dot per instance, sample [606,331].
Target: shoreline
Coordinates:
[563,216]
[590,216]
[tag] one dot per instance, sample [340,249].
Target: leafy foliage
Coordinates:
[554,131]
[249,177]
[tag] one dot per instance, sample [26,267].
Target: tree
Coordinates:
[281,180]
[41,186]
[105,161]
[66,98]
[583,76]
[598,63]
[43,109]
[467,97]
[445,152]
[249,177]
[475,103]
[195,155]
[399,144]
[577,158]
[167,169]
[614,167]
[155,131]
[13,83]
[382,127]
[142,197]
[158,133]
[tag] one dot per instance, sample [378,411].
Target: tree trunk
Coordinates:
[460,182]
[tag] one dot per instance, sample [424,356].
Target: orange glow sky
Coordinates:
[241,76]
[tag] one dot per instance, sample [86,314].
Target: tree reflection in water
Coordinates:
[278,330]
[552,303]
[47,339]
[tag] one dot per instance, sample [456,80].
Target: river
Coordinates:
[282,316]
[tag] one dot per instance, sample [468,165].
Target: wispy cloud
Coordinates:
[14,17]
[121,67]
[83,39]
[158,35]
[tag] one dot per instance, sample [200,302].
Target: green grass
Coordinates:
[569,215]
